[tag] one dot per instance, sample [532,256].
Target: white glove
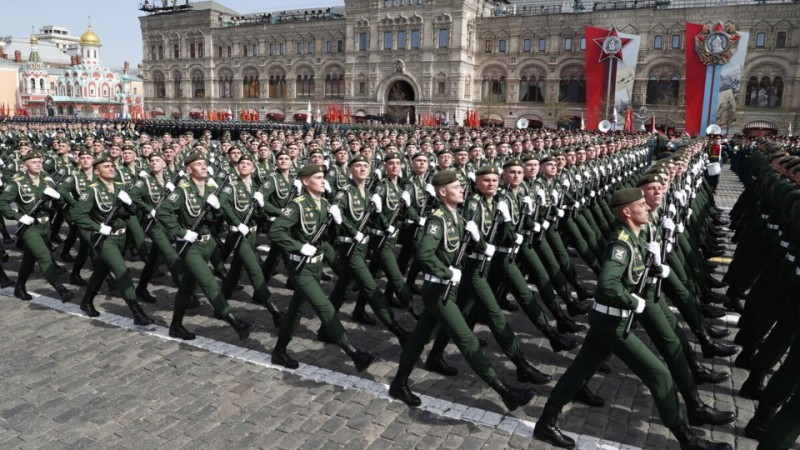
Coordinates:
[669,247]
[105,230]
[378,174]
[490,249]
[540,196]
[578,178]
[577,204]
[566,183]
[327,186]
[213,201]
[672,210]
[190,236]
[152,213]
[681,227]
[422,221]
[554,195]
[359,237]
[471,176]
[298,187]
[654,248]
[528,202]
[537,227]
[665,271]
[688,213]
[518,238]
[377,202]
[430,190]
[456,278]
[472,229]
[560,213]
[640,304]
[308,250]
[125,198]
[143,173]
[546,225]
[502,206]
[211,171]
[52,193]
[336,213]
[169,186]
[391,229]
[668,224]
[26,220]
[243,229]
[406,198]
[259,198]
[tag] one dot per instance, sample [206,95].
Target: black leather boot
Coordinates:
[177,330]
[567,325]
[361,316]
[143,295]
[437,363]
[526,373]
[4,280]
[506,305]
[576,308]
[546,429]
[716,333]
[558,341]
[401,333]
[242,327]
[701,414]
[703,374]
[755,428]
[711,312]
[20,292]
[753,386]
[277,315]
[690,441]
[711,348]
[362,360]
[75,279]
[87,306]
[139,316]
[587,397]
[63,292]
[513,397]
[399,388]
[281,358]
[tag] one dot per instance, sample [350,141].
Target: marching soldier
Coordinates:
[277,192]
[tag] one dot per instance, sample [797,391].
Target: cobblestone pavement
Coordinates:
[70,381]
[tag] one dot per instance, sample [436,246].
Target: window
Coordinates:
[401,39]
[176,84]
[305,85]
[251,86]
[761,40]
[281,49]
[160,52]
[416,38]
[387,40]
[226,85]
[271,49]
[192,53]
[444,37]
[277,86]
[176,51]
[583,43]
[526,45]
[658,42]
[676,41]
[663,90]
[244,50]
[362,41]
[487,46]
[572,89]
[502,46]
[531,89]
[567,44]
[299,48]
[219,52]
[153,53]
[764,93]
[255,50]
[340,46]
[334,86]
[780,40]
[542,46]
[198,85]
[441,88]
[310,47]
[328,46]
[230,51]
[493,89]
[362,88]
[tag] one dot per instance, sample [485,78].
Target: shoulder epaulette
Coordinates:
[623,236]
[438,213]
[93,184]
[299,199]
[183,184]
[18,177]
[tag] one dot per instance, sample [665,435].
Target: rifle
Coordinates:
[240,237]
[40,203]
[462,251]
[641,291]
[664,244]
[425,202]
[100,238]
[521,224]
[318,235]
[392,220]
[490,238]
[152,220]
[363,222]
[184,245]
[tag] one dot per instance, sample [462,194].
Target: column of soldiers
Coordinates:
[478,215]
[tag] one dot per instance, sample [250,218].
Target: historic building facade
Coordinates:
[403,58]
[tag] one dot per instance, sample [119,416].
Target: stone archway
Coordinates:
[400,101]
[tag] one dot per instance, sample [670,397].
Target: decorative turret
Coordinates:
[90,47]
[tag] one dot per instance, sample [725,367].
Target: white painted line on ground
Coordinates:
[444,408]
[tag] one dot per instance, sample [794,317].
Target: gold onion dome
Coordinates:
[89,38]
[34,40]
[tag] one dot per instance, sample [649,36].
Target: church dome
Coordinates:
[89,38]
[34,40]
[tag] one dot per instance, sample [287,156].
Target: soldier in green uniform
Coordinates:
[71,190]
[292,231]
[277,191]
[236,200]
[441,238]
[623,266]
[94,214]
[337,174]
[178,214]
[26,189]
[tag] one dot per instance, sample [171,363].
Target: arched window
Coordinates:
[176,84]
[334,85]
[198,84]
[277,86]
[33,84]
[493,86]
[41,84]
[572,86]
[159,87]
[226,84]
[305,85]
[251,84]
[780,40]
[663,90]
[764,92]
[531,88]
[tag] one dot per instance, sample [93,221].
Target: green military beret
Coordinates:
[444,177]
[528,156]
[23,144]
[419,155]
[192,157]
[458,149]
[31,155]
[625,196]
[282,153]
[546,159]
[156,155]
[128,147]
[357,159]
[85,152]
[103,158]
[392,155]
[245,157]
[315,151]
[310,169]
[512,162]
[444,152]
[790,162]
[487,170]
[650,178]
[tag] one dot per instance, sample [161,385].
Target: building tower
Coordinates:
[90,48]
[34,75]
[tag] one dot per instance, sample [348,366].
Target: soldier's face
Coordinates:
[360,171]
[550,169]
[490,151]
[638,212]
[580,157]
[571,158]
[157,164]
[420,165]
[283,162]
[34,166]
[451,194]
[393,167]
[488,184]
[513,176]
[341,157]
[531,169]
[445,161]
[653,194]
[314,184]
[128,156]
[105,171]
[462,158]
[245,168]
[86,161]
[198,169]
[562,161]
[316,158]
[234,155]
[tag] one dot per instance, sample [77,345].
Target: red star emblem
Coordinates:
[611,46]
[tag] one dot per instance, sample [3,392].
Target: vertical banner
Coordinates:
[610,61]
[709,48]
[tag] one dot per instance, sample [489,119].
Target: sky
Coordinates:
[116,22]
